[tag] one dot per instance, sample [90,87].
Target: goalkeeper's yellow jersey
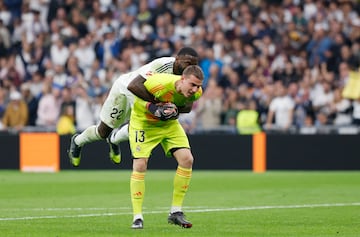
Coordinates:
[162,86]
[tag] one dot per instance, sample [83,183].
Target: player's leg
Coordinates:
[121,134]
[114,112]
[137,190]
[117,136]
[141,144]
[90,134]
[181,184]
[178,145]
[118,115]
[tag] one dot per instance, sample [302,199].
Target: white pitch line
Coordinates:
[67,209]
[195,210]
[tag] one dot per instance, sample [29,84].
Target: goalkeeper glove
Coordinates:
[164,111]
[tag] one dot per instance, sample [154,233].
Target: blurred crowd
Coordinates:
[287,62]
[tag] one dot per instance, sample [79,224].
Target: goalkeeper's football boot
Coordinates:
[178,218]
[137,224]
[114,153]
[74,152]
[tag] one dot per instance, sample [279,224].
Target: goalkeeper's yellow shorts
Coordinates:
[144,140]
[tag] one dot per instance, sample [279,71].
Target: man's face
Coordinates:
[182,61]
[189,85]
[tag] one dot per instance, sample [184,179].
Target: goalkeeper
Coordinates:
[156,123]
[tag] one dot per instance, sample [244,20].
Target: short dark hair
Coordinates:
[188,51]
[194,70]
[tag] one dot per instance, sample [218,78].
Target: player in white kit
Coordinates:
[116,109]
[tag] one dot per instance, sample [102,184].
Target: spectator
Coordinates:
[16,33]
[163,48]
[3,104]
[96,88]
[36,26]
[356,112]
[322,122]
[182,29]
[16,113]
[65,124]
[5,41]
[281,110]
[31,102]
[230,107]
[317,46]
[188,121]
[43,8]
[73,75]
[108,47]
[144,14]
[303,112]
[333,53]
[138,57]
[95,69]
[207,63]
[287,75]
[85,116]
[60,78]
[79,22]
[5,15]
[248,119]
[85,54]
[26,60]
[55,29]
[322,95]
[49,107]
[340,109]
[209,107]
[40,51]
[59,53]
[343,74]
[97,104]
[36,84]
[356,50]
[68,100]
[128,34]
[347,56]
[308,127]
[9,72]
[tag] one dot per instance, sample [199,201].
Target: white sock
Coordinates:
[175,209]
[120,135]
[138,216]
[87,136]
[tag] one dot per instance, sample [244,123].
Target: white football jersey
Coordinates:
[159,65]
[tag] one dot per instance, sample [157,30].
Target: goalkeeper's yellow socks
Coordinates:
[137,189]
[181,184]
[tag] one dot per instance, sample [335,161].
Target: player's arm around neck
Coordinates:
[137,87]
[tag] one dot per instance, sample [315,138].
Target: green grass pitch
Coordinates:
[219,203]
